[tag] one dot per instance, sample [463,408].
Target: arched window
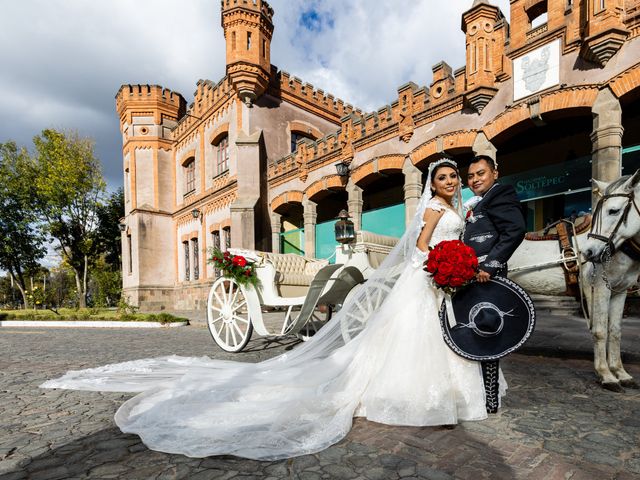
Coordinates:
[222,154]
[189,176]
[215,240]
[227,238]
[195,248]
[537,13]
[187,275]
[295,136]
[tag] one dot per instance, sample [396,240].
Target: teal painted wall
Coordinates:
[385,221]
[326,240]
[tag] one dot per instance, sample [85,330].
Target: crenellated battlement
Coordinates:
[207,94]
[129,96]
[415,106]
[208,97]
[257,6]
[292,89]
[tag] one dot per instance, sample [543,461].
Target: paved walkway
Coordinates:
[556,423]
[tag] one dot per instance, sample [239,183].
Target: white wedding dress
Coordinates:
[397,370]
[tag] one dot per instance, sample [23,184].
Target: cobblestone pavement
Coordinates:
[556,423]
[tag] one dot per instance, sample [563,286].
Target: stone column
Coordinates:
[412,190]
[310,216]
[606,138]
[355,204]
[482,146]
[276,227]
[243,209]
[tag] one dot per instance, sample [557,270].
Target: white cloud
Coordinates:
[63,62]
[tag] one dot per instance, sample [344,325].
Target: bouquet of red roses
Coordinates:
[234,266]
[452,263]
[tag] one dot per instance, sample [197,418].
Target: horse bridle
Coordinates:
[597,219]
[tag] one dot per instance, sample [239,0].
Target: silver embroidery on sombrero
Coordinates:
[473,313]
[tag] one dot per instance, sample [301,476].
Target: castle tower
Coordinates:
[248,29]
[485,38]
[147,114]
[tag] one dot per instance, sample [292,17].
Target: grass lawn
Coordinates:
[97,314]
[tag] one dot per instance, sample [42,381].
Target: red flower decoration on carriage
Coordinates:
[452,264]
[239,261]
[235,267]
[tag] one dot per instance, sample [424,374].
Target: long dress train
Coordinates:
[397,370]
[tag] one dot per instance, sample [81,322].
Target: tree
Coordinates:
[108,235]
[21,241]
[69,187]
[105,284]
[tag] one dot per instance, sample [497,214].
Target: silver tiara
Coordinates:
[433,165]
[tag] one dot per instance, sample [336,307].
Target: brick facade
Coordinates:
[248,184]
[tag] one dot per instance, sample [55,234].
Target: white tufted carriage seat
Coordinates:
[292,273]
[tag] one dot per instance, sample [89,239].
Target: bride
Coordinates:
[395,370]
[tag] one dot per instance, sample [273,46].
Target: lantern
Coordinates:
[345,232]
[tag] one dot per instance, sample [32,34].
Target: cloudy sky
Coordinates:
[62,61]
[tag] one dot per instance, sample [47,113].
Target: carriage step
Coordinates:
[556,305]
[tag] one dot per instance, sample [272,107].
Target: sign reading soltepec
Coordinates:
[537,70]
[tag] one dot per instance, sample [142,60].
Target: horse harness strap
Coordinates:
[623,218]
[570,268]
[631,249]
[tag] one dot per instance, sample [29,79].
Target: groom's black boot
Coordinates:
[490,376]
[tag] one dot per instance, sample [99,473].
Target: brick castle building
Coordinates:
[251,163]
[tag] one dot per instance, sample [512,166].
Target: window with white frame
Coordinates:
[187,275]
[227,237]
[189,176]
[222,155]
[215,240]
[196,255]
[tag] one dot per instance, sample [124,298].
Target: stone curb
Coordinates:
[88,324]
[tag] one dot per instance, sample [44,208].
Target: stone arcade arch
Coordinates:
[287,223]
[324,200]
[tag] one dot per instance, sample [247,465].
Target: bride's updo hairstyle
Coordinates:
[443,161]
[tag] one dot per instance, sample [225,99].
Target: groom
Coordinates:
[494,227]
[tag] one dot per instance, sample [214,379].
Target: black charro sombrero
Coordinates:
[492,319]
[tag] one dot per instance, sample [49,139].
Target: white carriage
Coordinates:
[308,290]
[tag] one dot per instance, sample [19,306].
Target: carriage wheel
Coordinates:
[228,315]
[317,320]
[361,309]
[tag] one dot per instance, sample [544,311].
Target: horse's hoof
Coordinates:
[631,383]
[613,387]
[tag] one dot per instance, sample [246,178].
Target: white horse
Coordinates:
[613,250]
[538,267]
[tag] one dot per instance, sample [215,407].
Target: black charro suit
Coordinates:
[494,229]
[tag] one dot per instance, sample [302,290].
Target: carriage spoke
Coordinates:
[233,334]
[242,334]
[230,292]
[243,320]
[220,301]
[228,315]
[219,332]
[235,296]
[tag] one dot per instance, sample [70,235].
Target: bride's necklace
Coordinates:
[443,202]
